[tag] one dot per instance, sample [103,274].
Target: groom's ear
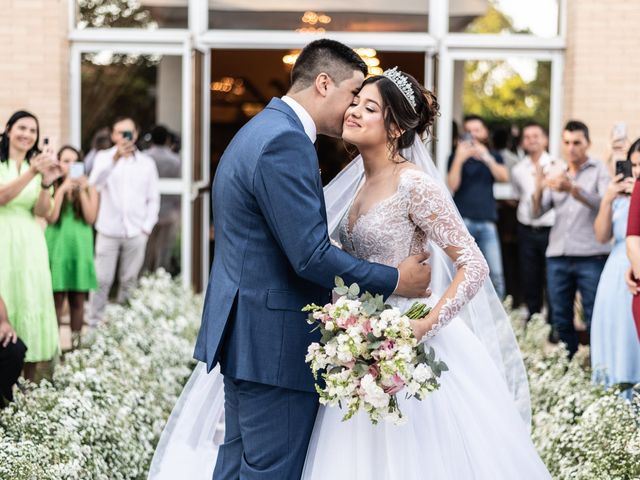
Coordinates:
[323,80]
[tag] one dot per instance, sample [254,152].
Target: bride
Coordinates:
[387,204]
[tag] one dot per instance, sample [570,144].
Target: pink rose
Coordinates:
[397,385]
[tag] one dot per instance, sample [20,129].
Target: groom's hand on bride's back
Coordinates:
[415,277]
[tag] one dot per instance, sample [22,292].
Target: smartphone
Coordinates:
[623,167]
[467,137]
[76,170]
[128,135]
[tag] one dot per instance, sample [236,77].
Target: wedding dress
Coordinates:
[470,428]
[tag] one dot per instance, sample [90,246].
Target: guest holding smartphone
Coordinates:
[127,181]
[70,239]
[26,174]
[615,349]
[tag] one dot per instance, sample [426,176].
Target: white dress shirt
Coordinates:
[523,180]
[307,122]
[129,195]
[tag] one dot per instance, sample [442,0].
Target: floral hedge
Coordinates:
[581,431]
[101,416]
[103,412]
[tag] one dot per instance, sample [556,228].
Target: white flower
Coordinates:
[412,388]
[373,394]
[422,373]
[331,348]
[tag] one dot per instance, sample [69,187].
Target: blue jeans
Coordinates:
[565,276]
[486,235]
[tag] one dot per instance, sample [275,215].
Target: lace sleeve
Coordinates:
[433,211]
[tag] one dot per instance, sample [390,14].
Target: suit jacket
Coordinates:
[272,255]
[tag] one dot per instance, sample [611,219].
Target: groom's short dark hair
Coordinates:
[328,56]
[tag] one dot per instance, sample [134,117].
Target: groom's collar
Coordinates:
[307,122]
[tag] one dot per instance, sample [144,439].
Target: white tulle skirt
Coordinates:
[469,429]
[188,447]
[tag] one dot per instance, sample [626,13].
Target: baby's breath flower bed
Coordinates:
[102,414]
[105,408]
[581,431]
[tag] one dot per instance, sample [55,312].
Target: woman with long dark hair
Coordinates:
[26,174]
[70,239]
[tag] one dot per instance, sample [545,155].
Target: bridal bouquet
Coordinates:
[368,353]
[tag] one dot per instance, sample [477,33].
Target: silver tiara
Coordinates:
[402,82]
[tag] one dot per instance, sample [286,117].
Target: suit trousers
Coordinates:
[267,431]
[126,254]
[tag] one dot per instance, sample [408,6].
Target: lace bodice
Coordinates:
[400,225]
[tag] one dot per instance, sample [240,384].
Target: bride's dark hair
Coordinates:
[398,113]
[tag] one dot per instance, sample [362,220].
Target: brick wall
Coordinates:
[34,54]
[602,75]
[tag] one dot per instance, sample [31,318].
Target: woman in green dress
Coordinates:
[25,281]
[70,239]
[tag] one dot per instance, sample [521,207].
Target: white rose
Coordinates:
[422,373]
[389,315]
[329,326]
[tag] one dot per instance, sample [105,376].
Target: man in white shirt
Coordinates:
[533,233]
[127,181]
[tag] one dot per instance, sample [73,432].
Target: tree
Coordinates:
[114,13]
[494,90]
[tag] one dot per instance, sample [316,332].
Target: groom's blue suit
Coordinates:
[272,257]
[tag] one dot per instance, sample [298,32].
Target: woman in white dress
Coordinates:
[471,428]
[386,205]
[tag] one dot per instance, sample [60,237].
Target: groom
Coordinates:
[273,256]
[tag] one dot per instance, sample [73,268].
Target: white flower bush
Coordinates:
[102,415]
[103,412]
[581,431]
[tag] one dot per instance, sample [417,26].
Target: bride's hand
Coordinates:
[420,327]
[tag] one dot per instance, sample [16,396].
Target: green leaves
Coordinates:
[352,291]
[438,367]
[326,336]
